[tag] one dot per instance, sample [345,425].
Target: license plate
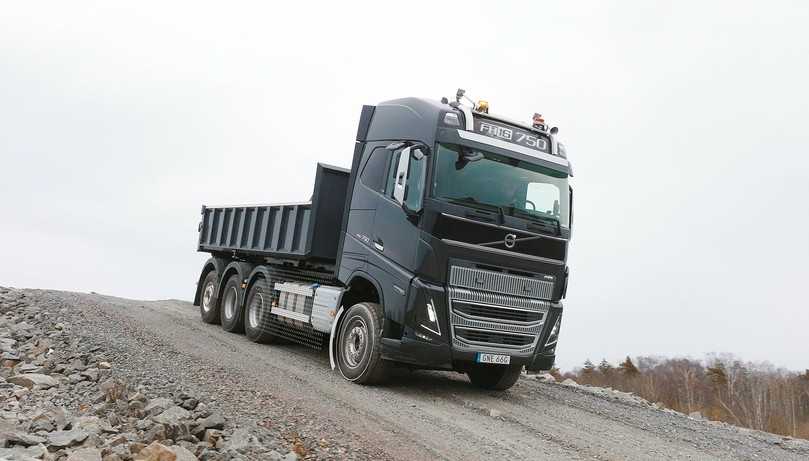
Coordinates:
[493,358]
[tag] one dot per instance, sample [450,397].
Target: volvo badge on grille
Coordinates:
[510,240]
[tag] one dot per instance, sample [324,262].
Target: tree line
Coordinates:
[722,388]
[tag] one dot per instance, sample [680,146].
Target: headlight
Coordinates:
[554,336]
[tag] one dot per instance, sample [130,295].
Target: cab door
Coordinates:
[396,231]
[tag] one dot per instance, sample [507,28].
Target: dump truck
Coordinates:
[444,247]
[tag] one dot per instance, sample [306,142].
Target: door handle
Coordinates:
[378,244]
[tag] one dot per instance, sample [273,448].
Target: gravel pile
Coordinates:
[61,399]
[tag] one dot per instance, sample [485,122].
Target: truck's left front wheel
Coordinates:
[359,344]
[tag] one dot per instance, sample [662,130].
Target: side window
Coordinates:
[391,178]
[374,173]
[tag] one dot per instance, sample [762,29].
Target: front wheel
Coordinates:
[494,377]
[359,344]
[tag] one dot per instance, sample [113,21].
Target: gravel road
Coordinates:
[291,392]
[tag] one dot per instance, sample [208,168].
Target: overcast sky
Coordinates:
[686,124]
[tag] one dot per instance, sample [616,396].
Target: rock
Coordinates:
[240,440]
[183,454]
[10,356]
[214,421]
[190,404]
[31,380]
[156,406]
[156,452]
[64,439]
[42,424]
[104,365]
[21,438]
[291,456]
[85,454]
[17,454]
[113,389]
[155,434]
[92,424]
[211,437]
[24,368]
[695,415]
[143,424]
[59,326]
[570,382]
[120,440]
[545,378]
[495,413]
[54,417]
[91,374]
[172,415]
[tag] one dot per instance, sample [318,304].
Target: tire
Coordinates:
[494,377]
[258,323]
[208,302]
[231,302]
[359,345]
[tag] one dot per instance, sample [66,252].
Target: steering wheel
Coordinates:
[532,204]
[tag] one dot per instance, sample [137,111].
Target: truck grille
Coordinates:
[499,282]
[497,312]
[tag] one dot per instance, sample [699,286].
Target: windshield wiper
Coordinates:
[537,218]
[471,201]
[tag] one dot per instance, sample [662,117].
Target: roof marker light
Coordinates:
[483,106]
[451,118]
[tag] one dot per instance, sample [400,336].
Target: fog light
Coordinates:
[432,320]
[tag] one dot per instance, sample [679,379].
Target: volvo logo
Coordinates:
[510,240]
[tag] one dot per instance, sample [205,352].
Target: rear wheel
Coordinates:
[208,305]
[494,377]
[230,305]
[359,345]
[257,318]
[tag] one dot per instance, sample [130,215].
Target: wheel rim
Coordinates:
[355,342]
[230,302]
[207,297]
[256,309]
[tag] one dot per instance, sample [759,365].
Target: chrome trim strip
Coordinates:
[472,246]
[469,136]
[495,327]
[466,295]
[475,346]
[505,228]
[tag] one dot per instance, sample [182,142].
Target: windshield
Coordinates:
[507,185]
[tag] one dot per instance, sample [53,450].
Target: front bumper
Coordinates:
[462,333]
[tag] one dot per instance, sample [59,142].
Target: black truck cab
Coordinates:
[493,271]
